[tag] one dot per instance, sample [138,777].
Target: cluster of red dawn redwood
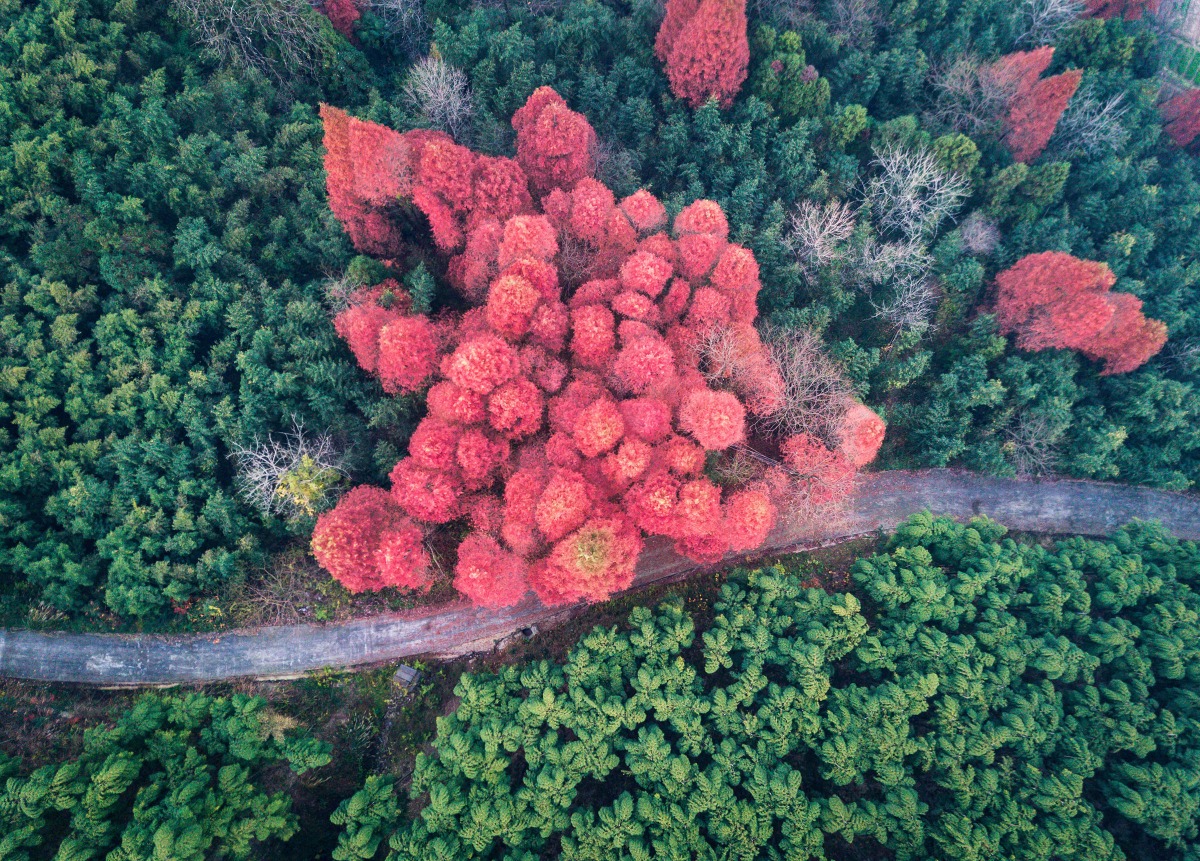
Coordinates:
[1035,104]
[569,412]
[1052,300]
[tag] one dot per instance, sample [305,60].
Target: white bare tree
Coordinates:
[816,392]
[1041,22]
[911,193]
[969,97]
[440,93]
[979,234]
[1031,444]
[618,167]
[817,233]
[909,304]
[856,21]
[290,474]
[875,264]
[283,39]
[1091,125]
[406,20]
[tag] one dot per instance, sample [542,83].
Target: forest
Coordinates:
[313,310]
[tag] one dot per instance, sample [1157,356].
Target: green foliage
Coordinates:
[164,232]
[992,700]
[783,79]
[176,777]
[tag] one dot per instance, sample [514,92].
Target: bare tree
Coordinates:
[1041,22]
[786,12]
[1031,444]
[339,290]
[909,304]
[970,98]
[1090,125]
[406,20]
[817,233]
[856,21]
[439,93]
[979,234]
[289,475]
[911,193]
[876,263]
[816,392]
[281,38]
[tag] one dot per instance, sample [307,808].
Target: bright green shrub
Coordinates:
[990,700]
[176,778]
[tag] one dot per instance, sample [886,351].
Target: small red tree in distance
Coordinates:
[1052,300]
[705,49]
[565,423]
[343,14]
[1181,116]
[1130,10]
[1034,106]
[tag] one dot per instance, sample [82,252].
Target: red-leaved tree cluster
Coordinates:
[1181,117]
[568,409]
[704,46]
[343,15]
[1035,104]
[1052,300]
[1130,10]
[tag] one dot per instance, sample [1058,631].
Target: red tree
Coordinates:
[563,426]
[1130,10]
[366,542]
[705,49]
[1181,117]
[343,14]
[1016,73]
[1034,106]
[1052,300]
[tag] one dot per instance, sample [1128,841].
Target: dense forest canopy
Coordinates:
[167,241]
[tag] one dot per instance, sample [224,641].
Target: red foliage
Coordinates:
[1181,116]
[1016,73]
[343,14]
[487,574]
[860,434]
[555,145]
[366,542]
[481,364]
[599,427]
[591,563]
[561,428]
[1052,300]
[401,559]
[563,506]
[749,518]
[825,475]
[408,354]
[1034,106]
[705,49]
[716,420]
[1130,10]
[425,494]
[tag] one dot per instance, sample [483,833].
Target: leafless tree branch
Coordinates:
[1041,22]
[911,193]
[288,475]
[816,392]
[440,94]
[281,38]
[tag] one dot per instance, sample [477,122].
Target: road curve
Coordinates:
[880,502]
